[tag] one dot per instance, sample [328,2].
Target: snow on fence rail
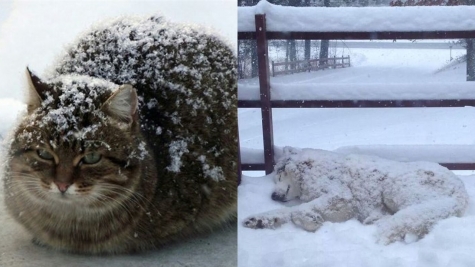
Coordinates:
[311,64]
[346,23]
[450,156]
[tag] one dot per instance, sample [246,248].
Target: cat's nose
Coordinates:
[62,186]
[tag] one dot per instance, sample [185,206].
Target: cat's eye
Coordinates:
[42,153]
[91,158]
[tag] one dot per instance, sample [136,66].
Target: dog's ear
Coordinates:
[279,169]
[37,90]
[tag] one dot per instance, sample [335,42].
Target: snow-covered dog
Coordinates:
[404,199]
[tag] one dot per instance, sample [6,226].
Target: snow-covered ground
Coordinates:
[451,241]
[32,33]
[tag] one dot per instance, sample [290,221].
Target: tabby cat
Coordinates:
[129,142]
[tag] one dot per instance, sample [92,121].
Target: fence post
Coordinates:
[239,170]
[264,84]
[273,70]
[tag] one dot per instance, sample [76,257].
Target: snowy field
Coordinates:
[450,243]
[31,34]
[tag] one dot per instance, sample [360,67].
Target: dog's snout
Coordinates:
[277,197]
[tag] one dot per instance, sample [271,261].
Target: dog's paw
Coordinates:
[373,218]
[386,239]
[261,222]
[309,221]
[389,238]
[389,232]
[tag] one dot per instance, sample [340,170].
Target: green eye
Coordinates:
[44,154]
[91,158]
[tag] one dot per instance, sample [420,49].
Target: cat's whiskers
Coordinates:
[136,201]
[69,208]
[137,198]
[32,188]
[116,201]
[28,189]
[110,208]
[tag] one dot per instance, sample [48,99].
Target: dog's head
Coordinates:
[287,186]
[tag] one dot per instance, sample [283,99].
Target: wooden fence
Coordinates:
[309,65]
[266,104]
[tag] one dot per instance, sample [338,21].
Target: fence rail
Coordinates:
[266,104]
[309,65]
[386,35]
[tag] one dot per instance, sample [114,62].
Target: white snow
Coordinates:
[357,19]
[176,150]
[432,153]
[74,97]
[383,72]
[9,109]
[362,91]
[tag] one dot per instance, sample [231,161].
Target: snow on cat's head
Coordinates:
[70,111]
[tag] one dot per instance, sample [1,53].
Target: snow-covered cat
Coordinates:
[404,199]
[129,142]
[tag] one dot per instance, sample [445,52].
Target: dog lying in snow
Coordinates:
[404,199]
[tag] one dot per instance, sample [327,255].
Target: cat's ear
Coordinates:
[122,105]
[36,90]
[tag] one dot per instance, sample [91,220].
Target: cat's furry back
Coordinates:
[130,142]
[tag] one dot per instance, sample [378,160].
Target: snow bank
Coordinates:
[362,91]
[354,19]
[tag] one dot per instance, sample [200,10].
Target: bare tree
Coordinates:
[247,53]
[324,44]
[470,52]
[470,59]
[307,42]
